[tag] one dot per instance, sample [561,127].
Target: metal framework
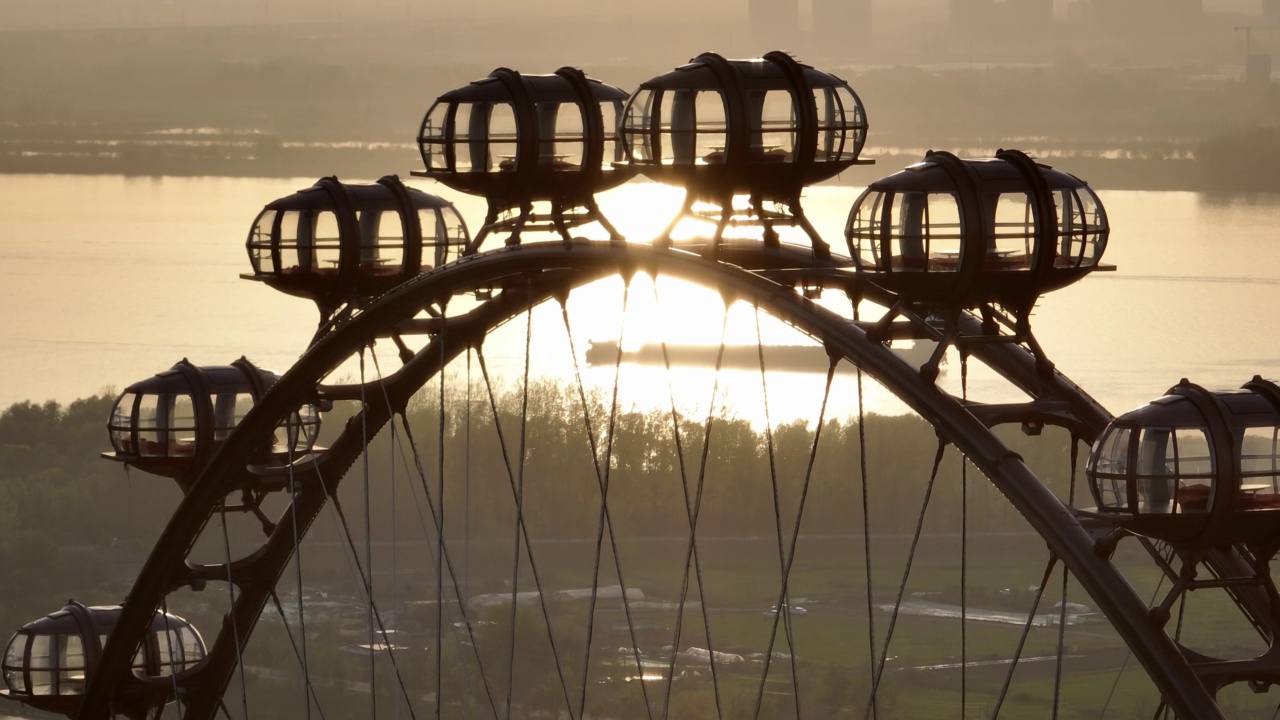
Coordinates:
[971,298]
[520,139]
[339,244]
[538,273]
[763,128]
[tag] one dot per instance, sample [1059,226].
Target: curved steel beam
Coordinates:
[1055,522]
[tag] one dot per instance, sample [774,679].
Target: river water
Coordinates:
[107,280]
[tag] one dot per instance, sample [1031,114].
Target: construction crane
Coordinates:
[1257,68]
[1248,36]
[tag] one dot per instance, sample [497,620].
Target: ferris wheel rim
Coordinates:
[581,263]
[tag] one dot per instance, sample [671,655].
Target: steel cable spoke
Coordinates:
[604,498]
[684,482]
[231,590]
[522,530]
[308,687]
[777,516]
[693,507]
[395,443]
[1129,654]
[466,511]
[168,641]
[783,594]
[964,551]
[1177,637]
[366,580]
[518,490]
[367,586]
[439,559]
[606,517]
[297,564]
[866,526]
[448,564]
[1026,631]
[906,574]
[395,537]
[368,539]
[1066,577]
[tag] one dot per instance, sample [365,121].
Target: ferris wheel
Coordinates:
[527,535]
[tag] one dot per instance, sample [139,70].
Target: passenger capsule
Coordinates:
[519,139]
[960,233]
[335,243]
[170,424]
[48,662]
[764,128]
[1194,468]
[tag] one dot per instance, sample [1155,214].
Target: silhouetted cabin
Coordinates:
[765,127]
[48,661]
[958,233]
[170,424]
[517,139]
[334,243]
[1194,468]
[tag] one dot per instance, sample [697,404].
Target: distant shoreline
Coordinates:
[1103,173]
[1242,161]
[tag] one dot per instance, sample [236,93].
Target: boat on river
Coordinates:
[787,358]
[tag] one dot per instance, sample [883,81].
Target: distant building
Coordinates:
[775,24]
[1134,15]
[1257,71]
[1271,11]
[1119,15]
[1028,15]
[970,16]
[1186,9]
[842,28]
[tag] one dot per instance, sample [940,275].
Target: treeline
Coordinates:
[70,522]
[744,480]
[64,507]
[78,526]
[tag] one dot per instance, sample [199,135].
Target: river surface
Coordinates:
[107,280]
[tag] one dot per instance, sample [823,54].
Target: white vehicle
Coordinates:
[793,609]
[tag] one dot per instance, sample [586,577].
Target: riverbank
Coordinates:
[268,157]
[347,99]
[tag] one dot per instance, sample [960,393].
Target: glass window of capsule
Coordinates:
[684,117]
[679,127]
[40,664]
[160,418]
[483,137]
[561,138]
[478,130]
[914,221]
[153,424]
[1161,458]
[309,242]
[1153,470]
[906,231]
[302,236]
[1082,227]
[774,122]
[50,657]
[842,124]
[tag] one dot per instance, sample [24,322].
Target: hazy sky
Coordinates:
[23,14]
